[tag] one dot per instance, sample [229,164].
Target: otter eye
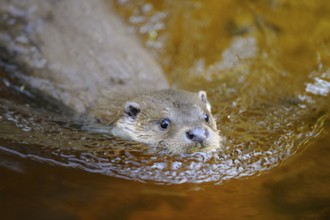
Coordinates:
[206,117]
[164,123]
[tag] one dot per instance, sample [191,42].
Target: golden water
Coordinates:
[265,66]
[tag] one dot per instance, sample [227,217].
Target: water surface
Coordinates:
[265,66]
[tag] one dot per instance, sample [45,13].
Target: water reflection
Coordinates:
[268,105]
[250,148]
[321,84]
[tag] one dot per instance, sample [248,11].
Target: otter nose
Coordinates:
[197,134]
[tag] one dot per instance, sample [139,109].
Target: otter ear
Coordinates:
[203,97]
[132,109]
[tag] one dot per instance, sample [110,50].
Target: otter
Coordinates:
[80,53]
[173,121]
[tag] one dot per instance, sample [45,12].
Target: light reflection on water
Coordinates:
[257,139]
[266,111]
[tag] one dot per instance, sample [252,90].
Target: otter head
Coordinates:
[172,120]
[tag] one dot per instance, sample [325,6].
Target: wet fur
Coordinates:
[184,109]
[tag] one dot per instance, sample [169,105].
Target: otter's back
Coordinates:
[77,51]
